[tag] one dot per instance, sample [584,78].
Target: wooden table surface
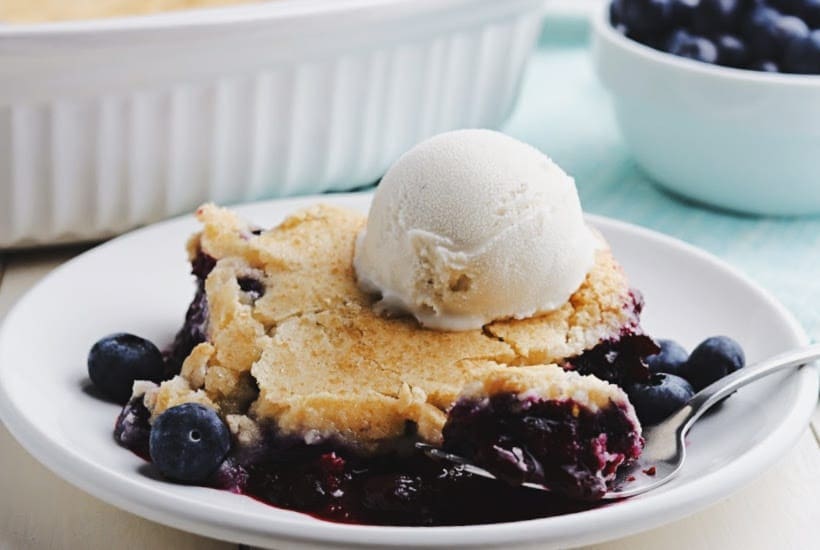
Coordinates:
[38,510]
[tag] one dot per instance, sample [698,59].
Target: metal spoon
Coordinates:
[665,451]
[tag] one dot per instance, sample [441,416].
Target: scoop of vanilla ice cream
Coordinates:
[473,226]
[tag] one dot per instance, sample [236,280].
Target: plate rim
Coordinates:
[689,498]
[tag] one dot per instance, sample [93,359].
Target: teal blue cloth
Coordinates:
[564,111]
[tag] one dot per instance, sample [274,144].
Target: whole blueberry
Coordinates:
[683,12]
[116,361]
[677,40]
[803,55]
[789,28]
[760,32]
[692,47]
[809,10]
[615,12]
[786,6]
[713,16]
[189,442]
[732,51]
[669,360]
[646,17]
[765,66]
[713,359]
[662,395]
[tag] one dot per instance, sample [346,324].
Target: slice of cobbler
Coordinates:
[284,345]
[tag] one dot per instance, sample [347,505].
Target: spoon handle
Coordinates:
[712,394]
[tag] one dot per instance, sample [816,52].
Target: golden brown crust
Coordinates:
[595,312]
[327,365]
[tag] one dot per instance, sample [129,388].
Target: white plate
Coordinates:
[140,283]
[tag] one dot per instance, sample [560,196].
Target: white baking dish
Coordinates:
[109,124]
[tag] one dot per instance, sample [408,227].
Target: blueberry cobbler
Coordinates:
[304,376]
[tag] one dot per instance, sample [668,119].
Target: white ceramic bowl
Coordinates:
[109,124]
[742,140]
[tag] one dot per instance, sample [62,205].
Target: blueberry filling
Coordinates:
[561,444]
[194,330]
[132,429]
[202,265]
[620,361]
[333,483]
[252,286]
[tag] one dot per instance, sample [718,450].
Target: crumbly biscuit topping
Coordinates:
[549,383]
[309,354]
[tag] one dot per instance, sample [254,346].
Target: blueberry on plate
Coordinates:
[803,55]
[118,360]
[656,399]
[189,442]
[713,359]
[669,360]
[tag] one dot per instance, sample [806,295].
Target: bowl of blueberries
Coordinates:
[719,100]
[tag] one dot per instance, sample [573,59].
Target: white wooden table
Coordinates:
[38,510]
